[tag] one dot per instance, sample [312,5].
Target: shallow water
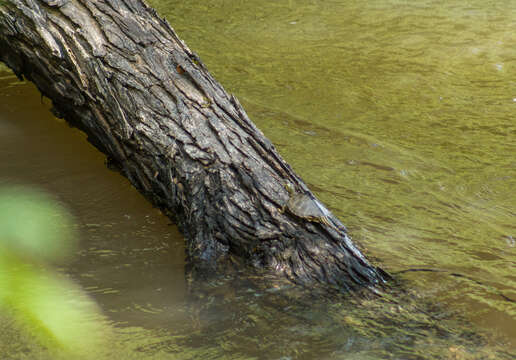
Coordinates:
[398,115]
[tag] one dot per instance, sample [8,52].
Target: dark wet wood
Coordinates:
[119,72]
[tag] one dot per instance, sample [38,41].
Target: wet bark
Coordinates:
[119,72]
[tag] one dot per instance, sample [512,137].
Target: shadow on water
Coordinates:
[259,316]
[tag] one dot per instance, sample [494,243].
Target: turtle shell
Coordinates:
[307,207]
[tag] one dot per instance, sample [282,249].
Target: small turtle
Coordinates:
[307,207]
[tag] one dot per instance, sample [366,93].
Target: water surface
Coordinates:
[400,115]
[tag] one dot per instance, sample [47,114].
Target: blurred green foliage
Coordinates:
[34,226]
[35,231]
[3,68]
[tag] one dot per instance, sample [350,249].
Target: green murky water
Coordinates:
[400,115]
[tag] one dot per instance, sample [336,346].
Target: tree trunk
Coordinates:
[119,72]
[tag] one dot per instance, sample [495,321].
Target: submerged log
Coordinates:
[119,72]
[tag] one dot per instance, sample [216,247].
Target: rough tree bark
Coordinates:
[119,72]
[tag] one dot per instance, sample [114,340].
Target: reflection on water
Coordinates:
[398,114]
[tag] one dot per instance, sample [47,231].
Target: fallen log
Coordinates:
[119,72]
